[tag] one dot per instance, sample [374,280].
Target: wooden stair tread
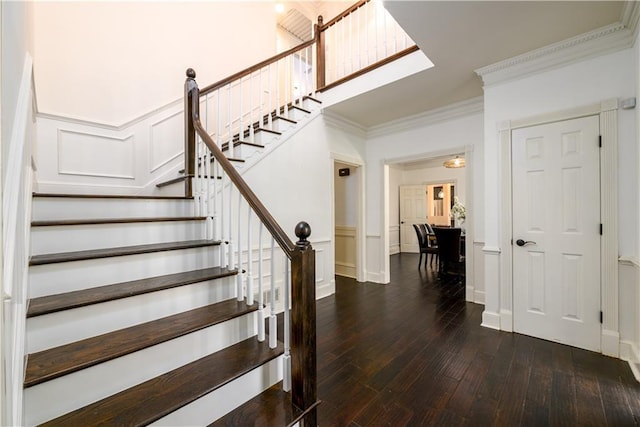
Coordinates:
[58,361]
[158,397]
[114,220]
[236,143]
[121,251]
[272,407]
[110,196]
[68,300]
[173,180]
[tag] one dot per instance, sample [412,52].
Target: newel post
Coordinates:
[303,326]
[320,49]
[190,91]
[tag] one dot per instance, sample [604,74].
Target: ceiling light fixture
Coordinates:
[279,8]
[454,163]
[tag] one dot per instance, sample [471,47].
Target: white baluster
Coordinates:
[359,18]
[240,120]
[270,109]
[273,321]
[239,244]
[195,181]
[230,246]
[261,334]
[251,130]
[249,259]
[214,199]
[218,122]
[230,150]
[351,54]
[366,34]
[384,32]
[286,360]
[223,245]
[344,48]
[277,91]
[261,109]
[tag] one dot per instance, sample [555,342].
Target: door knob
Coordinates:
[521,242]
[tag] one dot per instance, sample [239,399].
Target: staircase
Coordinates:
[131,320]
[150,309]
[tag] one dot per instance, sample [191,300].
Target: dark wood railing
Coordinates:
[301,254]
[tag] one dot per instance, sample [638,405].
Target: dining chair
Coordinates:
[451,258]
[424,245]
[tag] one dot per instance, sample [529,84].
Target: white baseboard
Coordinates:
[394,249]
[490,320]
[345,269]
[506,320]
[375,277]
[478,297]
[610,343]
[629,353]
[326,290]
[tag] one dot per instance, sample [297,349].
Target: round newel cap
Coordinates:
[303,231]
[191,73]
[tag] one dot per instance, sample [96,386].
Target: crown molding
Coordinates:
[437,115]
[631,16]
[339,122]
[610,38]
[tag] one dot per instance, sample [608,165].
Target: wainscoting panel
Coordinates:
[84,154]
[166,140]
[345,251]
[394,239]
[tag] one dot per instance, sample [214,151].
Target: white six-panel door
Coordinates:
[556,211]
[413,210]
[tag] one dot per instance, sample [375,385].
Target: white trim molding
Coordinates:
[437,115]
[610,38]
[629,353]
[338,122]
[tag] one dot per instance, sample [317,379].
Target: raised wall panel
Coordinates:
[166,140]
[571,190]
[536,200]
[572,289]
[536,282]
[88,154]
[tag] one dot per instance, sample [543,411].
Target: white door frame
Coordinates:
[360,216]
[608,115]
[470,294]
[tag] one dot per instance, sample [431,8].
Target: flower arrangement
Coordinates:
[458,210]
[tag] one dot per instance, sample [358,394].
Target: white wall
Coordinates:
[111,62]
[437,174]
[580,84]
[417,142]
[17,40]
[304,192]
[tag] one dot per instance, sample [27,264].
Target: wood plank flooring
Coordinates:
[413,353]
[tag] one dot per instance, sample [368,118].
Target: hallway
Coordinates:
[413,353]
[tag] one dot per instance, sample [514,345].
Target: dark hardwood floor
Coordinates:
[413,353]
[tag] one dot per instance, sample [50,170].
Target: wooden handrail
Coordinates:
[344,14]
[193,94]
[247,71]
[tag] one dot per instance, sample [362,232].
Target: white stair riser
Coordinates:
[244,151]
[62,277]
[69,238]
[56,397]
[282,126]
[297,115]
[265,138]
[52,208]
[55,329]
[226,398]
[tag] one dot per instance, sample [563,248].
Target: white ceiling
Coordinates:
[462,36]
